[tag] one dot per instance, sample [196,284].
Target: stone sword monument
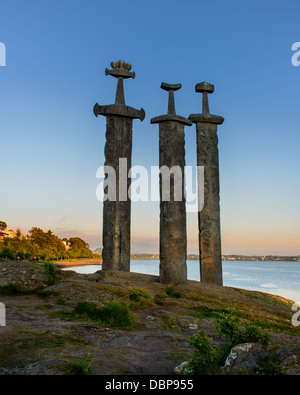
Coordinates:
[209,216]
[118,153]
[173,238]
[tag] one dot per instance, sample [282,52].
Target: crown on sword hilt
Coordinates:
[120,69]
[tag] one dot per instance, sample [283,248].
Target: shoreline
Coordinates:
[90,262]
[84,262]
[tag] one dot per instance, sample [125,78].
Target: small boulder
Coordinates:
[246,357]
[289,360]
[193,326]
[182,368]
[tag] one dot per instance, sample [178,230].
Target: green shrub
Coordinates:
[270,368]
[253,334]
[205,359]
[6,253]
[173,293]
[134,297]
[228,326]
[234,331]
[113,314]
[45,294]
[78,369]
[51,273]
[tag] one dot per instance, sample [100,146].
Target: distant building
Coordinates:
[66,243]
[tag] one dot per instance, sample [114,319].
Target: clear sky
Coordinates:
[52,144]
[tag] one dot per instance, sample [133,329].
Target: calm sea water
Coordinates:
[279,278]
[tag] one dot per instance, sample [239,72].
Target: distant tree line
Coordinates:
[45,246]
[3,225]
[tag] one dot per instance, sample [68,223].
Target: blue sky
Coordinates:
[52,144]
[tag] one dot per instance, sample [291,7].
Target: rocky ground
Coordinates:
[41,335]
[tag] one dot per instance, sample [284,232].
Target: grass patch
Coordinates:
[31,331]
[45,294]
[172,293]
[275,322]
[81,368]
[11,289]
[139,298]
[113,314]
[160,299]
[251,295]
[50,340]
[206,312]
[115,290]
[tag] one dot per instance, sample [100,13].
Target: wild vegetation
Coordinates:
[208,360]
[43,246]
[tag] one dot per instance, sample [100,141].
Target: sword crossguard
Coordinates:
[121,111]
[120,70]
[205,88]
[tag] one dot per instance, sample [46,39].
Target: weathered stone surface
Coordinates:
[118,152]
[28,279]
[173,238]
[117,214]
[209,217]
[246,357]
[289,360]
[249,357]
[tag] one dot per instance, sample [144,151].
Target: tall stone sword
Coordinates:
[118,153]
[209,217]
[173,239]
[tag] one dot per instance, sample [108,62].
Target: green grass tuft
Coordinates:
[74,368]
[172,293]
[113,314]
[139,298]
